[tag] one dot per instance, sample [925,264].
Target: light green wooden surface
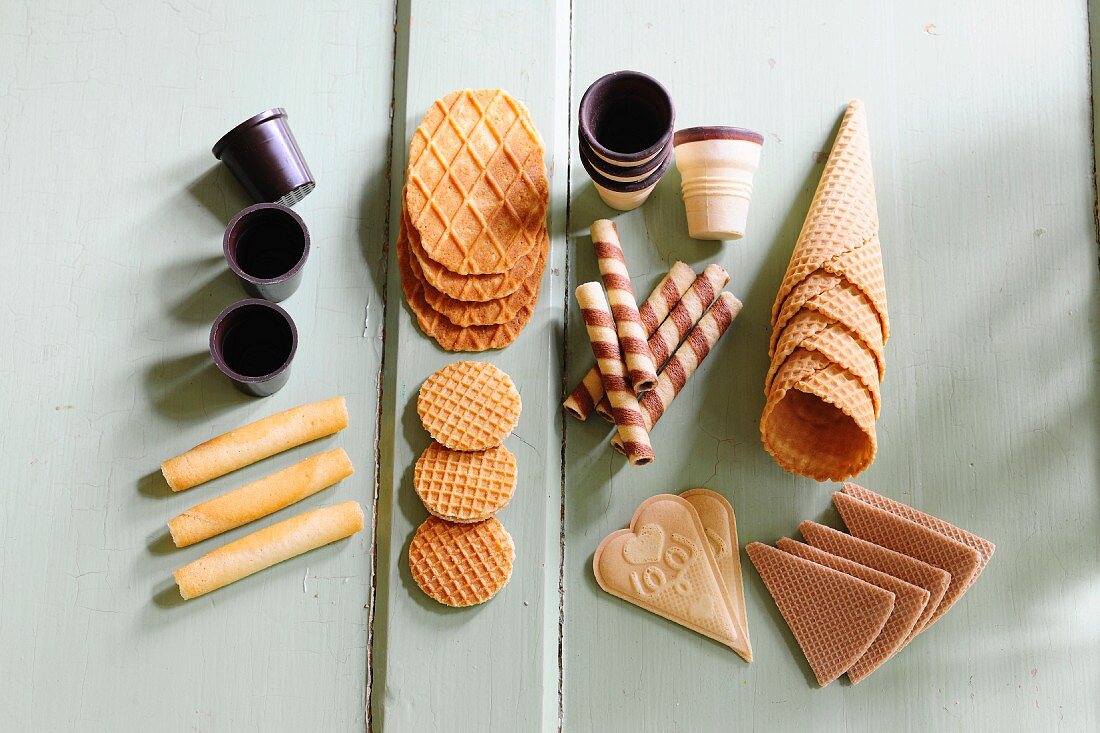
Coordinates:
[111,210]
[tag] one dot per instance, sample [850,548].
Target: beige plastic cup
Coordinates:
[716,167]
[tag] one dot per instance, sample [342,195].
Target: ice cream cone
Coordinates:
[716,166]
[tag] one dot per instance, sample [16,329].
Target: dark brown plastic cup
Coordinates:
[626,117]
[266,246]
[264,156]
[253,342]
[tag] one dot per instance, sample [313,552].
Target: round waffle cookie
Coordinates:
[469,405]
[461,564]
[477,187]
[465,486]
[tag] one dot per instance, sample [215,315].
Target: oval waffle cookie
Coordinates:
[461,564]
[477,188]
[465,486]
[469,405]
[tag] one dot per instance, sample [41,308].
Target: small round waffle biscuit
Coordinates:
[469,405]
[461,564]
[465,486]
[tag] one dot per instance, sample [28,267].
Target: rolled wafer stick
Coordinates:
[267,547]
[683,363]
[254,442]
[640,365]
[653,312]
[683,317]
[598,321]
[260,498]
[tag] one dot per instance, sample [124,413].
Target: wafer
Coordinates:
[589,392]
[461,564]
[915,540]
[631,430]
[464,486]
[913,571]
[477,189]
[254,442]
[661,563]
[720,526]
[984,547]
[267,547]
[909,602]
[687,358]
[640,367]
[260,498]
[834,617]
[469,405]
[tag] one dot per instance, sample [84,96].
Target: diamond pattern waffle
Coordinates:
[984,547]
[477,189]
[461,564]
[916,572]
[465,486]
[440,328]
[469,405]
[834,617]
[915,540]
[909,602]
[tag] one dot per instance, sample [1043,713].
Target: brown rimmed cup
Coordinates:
[266,246]
[264,156]
[626,118]
[253,342]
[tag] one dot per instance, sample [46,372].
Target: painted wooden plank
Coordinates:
[493,667]
[980,127]
[112,210]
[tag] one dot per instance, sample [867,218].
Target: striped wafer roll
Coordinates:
[653,312]
[633,435]
[633,338]
[683,363]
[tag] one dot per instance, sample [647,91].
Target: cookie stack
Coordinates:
[472,243]
[829,324]
[462,555]
[855,600]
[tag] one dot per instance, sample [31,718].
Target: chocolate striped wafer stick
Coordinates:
[685,361]
[653,312]
[682,319]
[640,365]
[632,433]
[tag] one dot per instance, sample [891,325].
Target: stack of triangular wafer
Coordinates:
[473,245]
[829,323]
[855,600]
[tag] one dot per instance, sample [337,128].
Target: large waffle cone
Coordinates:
[477,188]
[834,617]
[843,216]
[812,331]
[818,420]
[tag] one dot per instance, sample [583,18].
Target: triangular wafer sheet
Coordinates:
[909,602]
[912,539]
[662,563]
[984,547]
[834,617]
[716,514]
[913,571]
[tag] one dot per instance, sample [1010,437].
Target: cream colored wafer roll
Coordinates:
[683,363]
[640,366]
[682,319]
[260,498]
[254,442]
[609,357]
[653,312]
[267,547]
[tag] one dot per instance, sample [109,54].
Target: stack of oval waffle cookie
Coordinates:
[462,555]
[472,244]
[830,324]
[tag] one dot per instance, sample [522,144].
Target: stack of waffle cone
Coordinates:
[830,323]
